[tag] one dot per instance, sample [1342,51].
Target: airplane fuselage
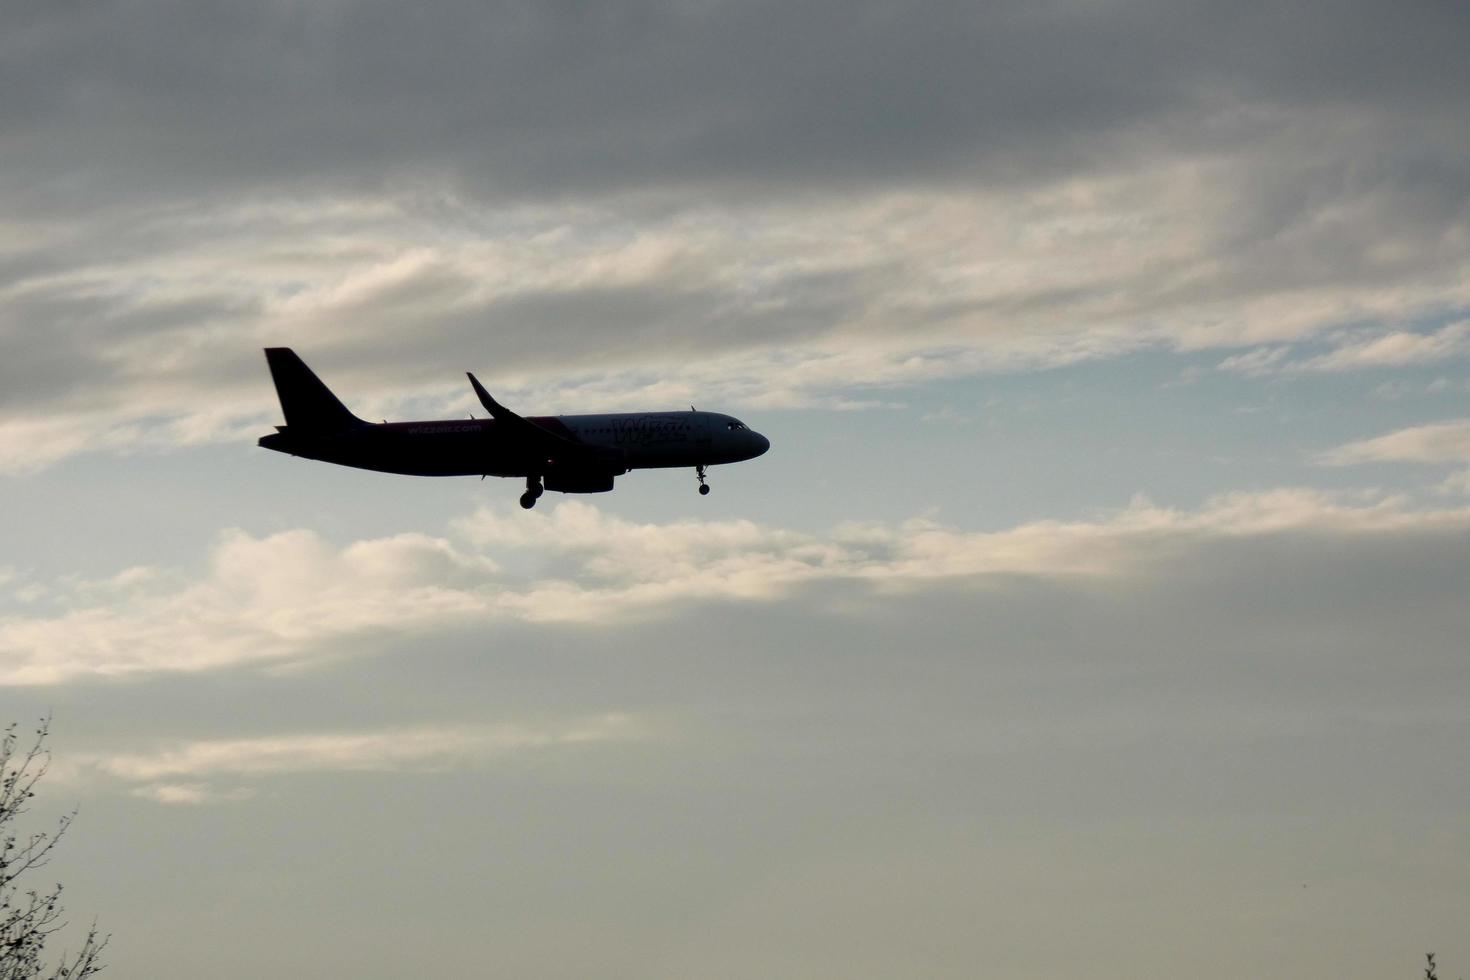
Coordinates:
[565,453]
[479,447]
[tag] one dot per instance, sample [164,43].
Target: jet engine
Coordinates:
[581,481]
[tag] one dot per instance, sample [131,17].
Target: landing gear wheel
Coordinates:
[704,489]
[528,500]
[533,493]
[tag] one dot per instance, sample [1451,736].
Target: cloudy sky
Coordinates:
[1100,609]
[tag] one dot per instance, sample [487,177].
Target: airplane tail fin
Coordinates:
[307,403]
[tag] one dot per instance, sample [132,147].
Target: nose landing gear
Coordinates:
[534,490]
[703,487]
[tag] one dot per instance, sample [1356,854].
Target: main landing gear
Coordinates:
[703,487]
[533,493]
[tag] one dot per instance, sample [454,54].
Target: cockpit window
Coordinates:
[735,426]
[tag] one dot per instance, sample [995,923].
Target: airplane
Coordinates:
[565,453]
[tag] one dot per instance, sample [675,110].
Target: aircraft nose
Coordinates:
[759,443]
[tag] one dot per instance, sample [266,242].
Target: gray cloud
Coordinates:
[535,98]
[1278,694]
[726,195]
[288,597]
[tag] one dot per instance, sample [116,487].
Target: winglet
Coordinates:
[545,440]
[496,410]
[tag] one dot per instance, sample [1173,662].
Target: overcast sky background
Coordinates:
[1100,609]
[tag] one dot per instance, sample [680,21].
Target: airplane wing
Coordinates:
[540,441]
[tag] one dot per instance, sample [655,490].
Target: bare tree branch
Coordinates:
[28,919]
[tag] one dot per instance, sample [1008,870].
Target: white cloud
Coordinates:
[182,774]
[190,794]
[1456,483]
[260,599]
[1257,362]
[1397,349]
[1440,442]
[946,416]
[1358,351]
[385,751]
[294,597]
